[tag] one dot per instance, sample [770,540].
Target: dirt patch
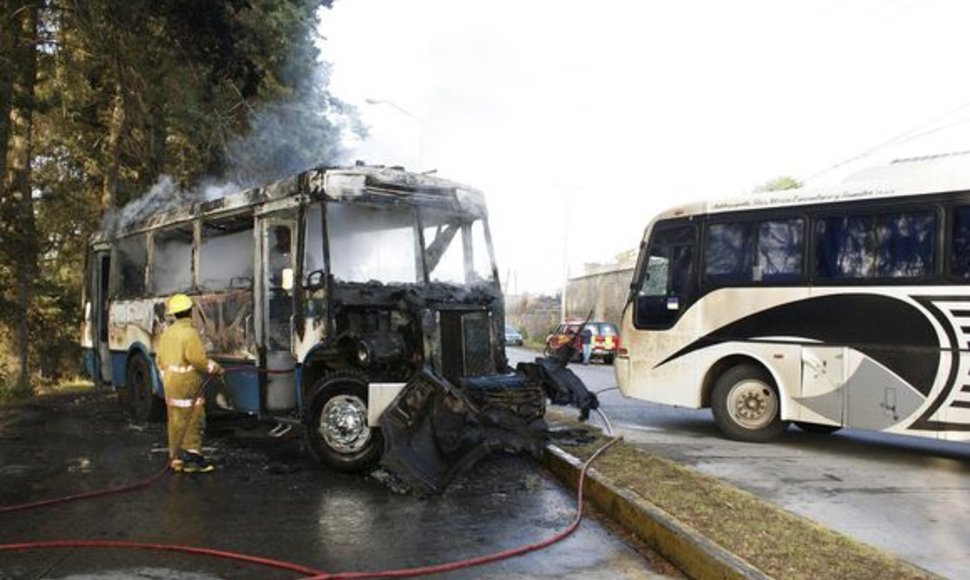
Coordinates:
[778,542]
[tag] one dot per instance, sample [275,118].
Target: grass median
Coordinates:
[777,542]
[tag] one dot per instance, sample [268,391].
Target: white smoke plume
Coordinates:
[164,196]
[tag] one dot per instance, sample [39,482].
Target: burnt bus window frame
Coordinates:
[754,223]
[130,286]
[873,215]
[228,226]
[662,311]
[336,265]
[173,230]
[313,243]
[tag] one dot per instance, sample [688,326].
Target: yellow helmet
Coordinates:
[178,303]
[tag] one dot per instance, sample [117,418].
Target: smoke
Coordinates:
[163,197]
[303,130]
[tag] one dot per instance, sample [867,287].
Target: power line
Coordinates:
[904,137]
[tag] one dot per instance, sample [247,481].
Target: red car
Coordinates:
[605,340]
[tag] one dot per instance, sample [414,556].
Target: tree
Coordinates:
[778,184]
[17,223]
[100,98]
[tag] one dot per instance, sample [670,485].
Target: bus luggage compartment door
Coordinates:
[823,384]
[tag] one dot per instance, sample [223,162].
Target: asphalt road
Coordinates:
[268,499]
[908,496]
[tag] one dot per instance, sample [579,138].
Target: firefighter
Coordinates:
[182,362]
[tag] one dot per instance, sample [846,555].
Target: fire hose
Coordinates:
[279,564]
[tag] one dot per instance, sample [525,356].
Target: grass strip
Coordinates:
[777,542]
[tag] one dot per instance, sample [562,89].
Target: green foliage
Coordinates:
[779,184]
[128,90]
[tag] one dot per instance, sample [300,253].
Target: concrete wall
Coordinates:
[534,316]
[604,293]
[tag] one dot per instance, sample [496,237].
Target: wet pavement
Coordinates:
[268,499]
[906,495]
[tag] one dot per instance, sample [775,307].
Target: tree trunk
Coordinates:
[18,209]
[116,128]
[8,39]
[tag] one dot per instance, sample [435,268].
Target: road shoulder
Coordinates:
[711,529]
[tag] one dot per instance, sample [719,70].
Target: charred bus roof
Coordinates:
[361,184]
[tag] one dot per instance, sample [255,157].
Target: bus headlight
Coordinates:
[363,354]
[379,347]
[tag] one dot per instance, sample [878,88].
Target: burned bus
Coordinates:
[329,294]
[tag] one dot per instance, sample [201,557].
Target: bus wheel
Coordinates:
[336,421]
[142,404]
[817,428]
[745,405]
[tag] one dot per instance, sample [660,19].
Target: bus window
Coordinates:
[666,286]
[905,245]
[895,245]
[226,254]
[172,260]
[370,244]
[781,247]
[728,253]
[960,243]
[132,258]
[842,247]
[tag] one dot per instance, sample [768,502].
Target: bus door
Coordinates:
[823,384]
[278,252]
[98,362]
[665,291]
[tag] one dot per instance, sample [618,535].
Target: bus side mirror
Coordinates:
[286,279]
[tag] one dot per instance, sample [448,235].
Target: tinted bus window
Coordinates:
[960,242]
[728,253]
[781,250]
[745,252]
[841,247]
[132,258]
[905,245]
[893,245]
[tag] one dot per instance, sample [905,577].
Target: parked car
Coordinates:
[605,340]
[512,336]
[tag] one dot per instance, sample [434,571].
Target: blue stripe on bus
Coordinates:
[89,364]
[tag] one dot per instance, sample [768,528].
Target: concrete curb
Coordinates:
[693,553]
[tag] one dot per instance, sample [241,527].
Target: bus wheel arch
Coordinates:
[141,402]
[745,401]
[336,422]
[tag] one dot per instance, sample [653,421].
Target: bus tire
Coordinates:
[142,403]
[817,428]
[336,422]
[746,406]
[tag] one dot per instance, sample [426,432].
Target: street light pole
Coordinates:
[417,119]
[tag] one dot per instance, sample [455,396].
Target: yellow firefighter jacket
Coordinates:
[182,361]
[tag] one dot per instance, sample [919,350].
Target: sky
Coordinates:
[582,120]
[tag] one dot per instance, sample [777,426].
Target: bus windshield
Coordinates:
[382,244]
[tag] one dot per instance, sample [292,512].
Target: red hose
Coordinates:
[162,548]
[311,573]
[488,558]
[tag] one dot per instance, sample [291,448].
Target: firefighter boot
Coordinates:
[195,463]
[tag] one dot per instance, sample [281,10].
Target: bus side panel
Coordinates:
[130,322]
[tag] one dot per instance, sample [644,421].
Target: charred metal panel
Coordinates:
[227,322]
[433,430]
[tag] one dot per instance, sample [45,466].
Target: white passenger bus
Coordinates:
[843,306]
